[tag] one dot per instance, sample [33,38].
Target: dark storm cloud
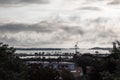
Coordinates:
[14,28]
[74,30]
[42,27]
[56,33]
[16,2]
[114,2]
[90,8]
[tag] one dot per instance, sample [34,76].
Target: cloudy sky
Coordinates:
[59,23]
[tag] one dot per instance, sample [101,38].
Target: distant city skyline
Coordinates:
[59,23]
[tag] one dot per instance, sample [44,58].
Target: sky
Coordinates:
[59,23]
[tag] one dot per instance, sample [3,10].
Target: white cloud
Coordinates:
[61,22]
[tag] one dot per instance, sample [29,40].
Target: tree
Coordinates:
[11,67]
[48,73]
[66,75]
[84,61]
[116,56]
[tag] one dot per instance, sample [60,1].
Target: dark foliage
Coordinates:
[11,67]
[104,68]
